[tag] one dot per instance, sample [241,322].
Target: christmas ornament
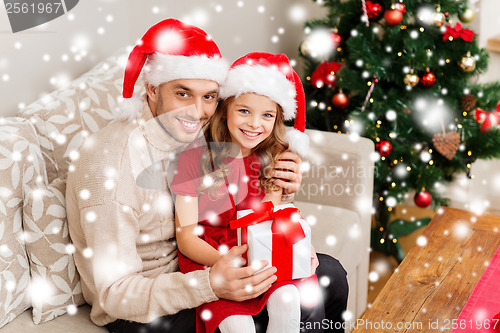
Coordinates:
[446,144]
[336,37]
[340,100]
[384,147]
[393,17]
[423,199]
[453,33]
[401,7]
[325,74]
[439,19]
[489,119]
[468,102]
[372,86]
[320,43]
[468,63]
[428,79]
[305,49]
[374,10]
[466,15]
[411,79]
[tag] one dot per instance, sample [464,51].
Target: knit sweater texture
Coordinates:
[121,222]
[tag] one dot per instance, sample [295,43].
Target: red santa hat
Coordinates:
[173,50]
[271,75]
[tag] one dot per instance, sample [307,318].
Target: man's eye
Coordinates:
[182,94]
[209,97]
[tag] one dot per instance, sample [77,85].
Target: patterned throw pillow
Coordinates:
[21,166]
[55,285]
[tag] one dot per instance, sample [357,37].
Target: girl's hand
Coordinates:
[314,261]
[287,172]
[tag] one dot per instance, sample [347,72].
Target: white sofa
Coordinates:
[35,252]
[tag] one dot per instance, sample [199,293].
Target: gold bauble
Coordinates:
[467,15]
[411,79]
[305,48]
[468,63]
[439,19]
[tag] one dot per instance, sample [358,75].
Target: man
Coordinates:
[120,211]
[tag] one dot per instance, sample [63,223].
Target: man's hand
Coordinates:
[231,281]
[288,173]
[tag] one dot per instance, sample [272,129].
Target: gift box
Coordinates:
[279,235]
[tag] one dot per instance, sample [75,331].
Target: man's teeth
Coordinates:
[189,124]
[250,133]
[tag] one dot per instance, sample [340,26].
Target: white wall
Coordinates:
[95,29]
[482,193]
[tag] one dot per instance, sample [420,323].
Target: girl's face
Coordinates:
[250,120]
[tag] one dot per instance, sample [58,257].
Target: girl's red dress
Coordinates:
[214,216]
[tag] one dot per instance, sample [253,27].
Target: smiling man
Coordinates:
[126,253]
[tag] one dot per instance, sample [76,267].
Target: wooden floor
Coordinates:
[382,266]
[426,288]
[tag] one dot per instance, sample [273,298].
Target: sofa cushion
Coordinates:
[77,322]
[21,166]
[334,231]
[64,118]
[55,284]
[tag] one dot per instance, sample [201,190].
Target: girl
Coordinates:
[244,138]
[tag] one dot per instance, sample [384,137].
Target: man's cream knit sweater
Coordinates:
[121,222]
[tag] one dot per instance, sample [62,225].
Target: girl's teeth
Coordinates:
[250,134]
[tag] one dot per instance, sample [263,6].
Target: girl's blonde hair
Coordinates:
[217,134]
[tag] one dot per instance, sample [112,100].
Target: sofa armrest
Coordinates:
[337,187]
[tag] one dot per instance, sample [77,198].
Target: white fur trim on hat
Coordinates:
[264,81]
[298,141]
[161,68]
[130,108]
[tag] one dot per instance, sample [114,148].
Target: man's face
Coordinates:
[184,106]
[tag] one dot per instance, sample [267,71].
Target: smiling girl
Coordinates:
[245,138]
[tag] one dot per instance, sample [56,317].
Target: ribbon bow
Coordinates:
[466,34]
[286,221]
[489,119]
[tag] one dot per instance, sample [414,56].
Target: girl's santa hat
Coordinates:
[174,50]
[271,75]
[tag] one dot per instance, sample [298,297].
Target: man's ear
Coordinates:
[152,92]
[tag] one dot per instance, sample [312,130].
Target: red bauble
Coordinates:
[384,147]
[340,100]
[428,79]
[393,17]
[336,38]
[325,74]
[401,7]
[374,10]
[423,199]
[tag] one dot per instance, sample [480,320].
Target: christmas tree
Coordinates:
[403,74]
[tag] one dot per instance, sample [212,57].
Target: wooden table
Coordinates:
[434,281]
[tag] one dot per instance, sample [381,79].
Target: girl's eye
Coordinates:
[268,115]
[244,111]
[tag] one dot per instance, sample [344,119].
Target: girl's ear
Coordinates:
[152,92]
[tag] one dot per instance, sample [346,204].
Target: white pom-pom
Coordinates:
[130,108]
[298,141]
